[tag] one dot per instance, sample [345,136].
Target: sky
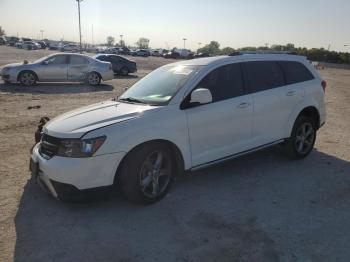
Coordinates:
[234,23]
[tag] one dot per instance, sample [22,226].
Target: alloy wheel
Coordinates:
[27,79]
[93,79]
[155,174]
[304,138]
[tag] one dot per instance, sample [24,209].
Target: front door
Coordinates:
[224,127]
[54,69]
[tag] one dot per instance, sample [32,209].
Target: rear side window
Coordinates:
[224,82]
[103,58]
[262,75]
[295,72]
[78,60]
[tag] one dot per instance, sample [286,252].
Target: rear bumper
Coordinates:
[108,75]
[74,178]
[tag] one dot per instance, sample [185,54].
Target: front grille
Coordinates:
[49,146]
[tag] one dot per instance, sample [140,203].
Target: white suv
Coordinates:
[182,116]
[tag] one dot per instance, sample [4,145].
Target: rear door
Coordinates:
[78,67]
[272,104]
[223,127]
[297,79]
[54,68]
[117,63]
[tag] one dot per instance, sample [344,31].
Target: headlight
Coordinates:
[5,69]
[80,147]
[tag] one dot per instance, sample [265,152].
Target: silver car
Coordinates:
[58,68]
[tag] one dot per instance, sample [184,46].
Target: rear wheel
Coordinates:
[27,78]
[147,173]
[124,71]
[303,138]
[93,79]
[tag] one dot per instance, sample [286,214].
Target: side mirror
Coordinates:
[45,62]
[201,96]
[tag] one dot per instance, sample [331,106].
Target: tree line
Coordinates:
[313,54]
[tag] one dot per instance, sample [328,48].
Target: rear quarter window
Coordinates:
[295,72]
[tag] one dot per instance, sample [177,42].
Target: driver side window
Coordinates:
[57,60]
[224,82]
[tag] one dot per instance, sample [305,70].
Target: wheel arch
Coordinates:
[94,71]
[312,113]
[27,70]
[307,110]
[176,153]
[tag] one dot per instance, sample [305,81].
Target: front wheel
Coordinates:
[27,78]
[147,173]
[93,79]
[303,138]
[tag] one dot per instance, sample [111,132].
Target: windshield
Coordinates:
[160,86]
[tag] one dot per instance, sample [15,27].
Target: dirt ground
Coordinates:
[263,207]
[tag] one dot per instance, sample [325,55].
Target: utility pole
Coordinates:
[121,40]
[79,25]
[92,34]
[42,34]
[184,43]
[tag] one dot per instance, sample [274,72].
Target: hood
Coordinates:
[12,65]
[76,123]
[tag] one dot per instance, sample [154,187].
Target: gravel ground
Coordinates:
[262,207]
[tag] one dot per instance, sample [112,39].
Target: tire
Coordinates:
[147,173]
[124,71]
[27,78]
[303,138]
[93,79]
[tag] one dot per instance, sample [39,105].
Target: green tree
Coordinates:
[227,50]
[2,31]
[212,48]
[110,40]
[143,43]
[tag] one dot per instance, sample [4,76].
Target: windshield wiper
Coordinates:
[131,100]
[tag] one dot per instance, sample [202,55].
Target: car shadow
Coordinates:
[55,88]
[260,207]
[116,76]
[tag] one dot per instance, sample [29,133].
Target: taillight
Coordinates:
[324,85]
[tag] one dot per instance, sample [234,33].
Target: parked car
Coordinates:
[42,44]
[124,51]
[172,54]
[183,116]
[55,45]
[141,52]
[200,55]
[30,45]
[12,40]
[70,48]
[19,44]
[3,40]
[59,68]
[121,65]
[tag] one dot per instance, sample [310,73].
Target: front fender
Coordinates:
[166,125]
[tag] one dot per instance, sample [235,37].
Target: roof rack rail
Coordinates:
[262,52]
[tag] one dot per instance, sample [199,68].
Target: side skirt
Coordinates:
[220,160]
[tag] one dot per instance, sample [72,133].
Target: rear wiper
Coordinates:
[131,100]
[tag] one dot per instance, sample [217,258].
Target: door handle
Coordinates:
[290,93]
[243,105]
